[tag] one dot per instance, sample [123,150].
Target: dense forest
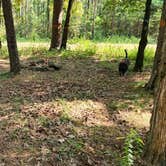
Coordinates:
[91,19]
[83,82]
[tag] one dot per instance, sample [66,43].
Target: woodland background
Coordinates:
[115,20]
[68,106]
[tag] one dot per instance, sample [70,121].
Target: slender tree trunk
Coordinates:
[56,24]
[88,5]
[48,17]
[113,21]
[152,81]
[86,13]
[11,37]
[143,42]
[66,26]
[155,152]
[93,19]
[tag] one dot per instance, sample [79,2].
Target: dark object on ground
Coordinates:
[37,62]
[40,61]
[32,64]
[54,66]
[41,65]
[124,64]
[40,68]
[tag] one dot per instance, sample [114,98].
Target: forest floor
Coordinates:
[77,116]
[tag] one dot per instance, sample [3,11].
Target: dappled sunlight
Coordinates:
[87,112]
[137,119]
[84,109]
[4,65]
[33,44]
[93,113]
[69,93]
[40,129]
[141,77]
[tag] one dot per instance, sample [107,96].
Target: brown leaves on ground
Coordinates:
[78,115]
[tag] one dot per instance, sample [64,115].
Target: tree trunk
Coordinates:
[93,19]
[66,26]
[48,17]
[56,24]
[155,152]
[152,81]
[143,42]
[11,37]
[86,13]
[156,145]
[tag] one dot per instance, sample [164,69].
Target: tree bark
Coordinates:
[56,24]
[143,42]
[66,26]
[11,37]
[93,19]
[48,17]
[155,152]
[152,81]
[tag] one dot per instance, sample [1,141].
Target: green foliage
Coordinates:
[31,18]
[44,121]
[77,14]
[4,76]
[125,19]
[132,148]
[121,39]
[3,52]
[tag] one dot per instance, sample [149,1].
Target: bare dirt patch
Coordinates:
[4,65]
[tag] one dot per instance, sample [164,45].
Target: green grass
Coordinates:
[3,53]
[44,121]
[37,40]
[5,75]
[121,39]
[116,39]
[103,51]
[69,114]
[82,48]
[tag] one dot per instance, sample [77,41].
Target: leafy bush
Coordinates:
[132,148]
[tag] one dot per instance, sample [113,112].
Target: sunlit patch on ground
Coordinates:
[4,65]
[137,119]
[79,114]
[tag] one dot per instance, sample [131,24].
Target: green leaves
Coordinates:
[132,148]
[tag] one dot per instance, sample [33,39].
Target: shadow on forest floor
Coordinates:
[78,115]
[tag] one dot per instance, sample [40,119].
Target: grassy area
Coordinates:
[120,39]
[79,115]
[83,48]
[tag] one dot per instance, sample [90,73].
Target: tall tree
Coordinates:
[66,26]
[48,17]
[143,42]
[11,37]
[155,153]
[152,81]
[93,19]
[56,24]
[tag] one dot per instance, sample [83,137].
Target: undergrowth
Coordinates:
[72,116]
[132,148]
[104,51]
